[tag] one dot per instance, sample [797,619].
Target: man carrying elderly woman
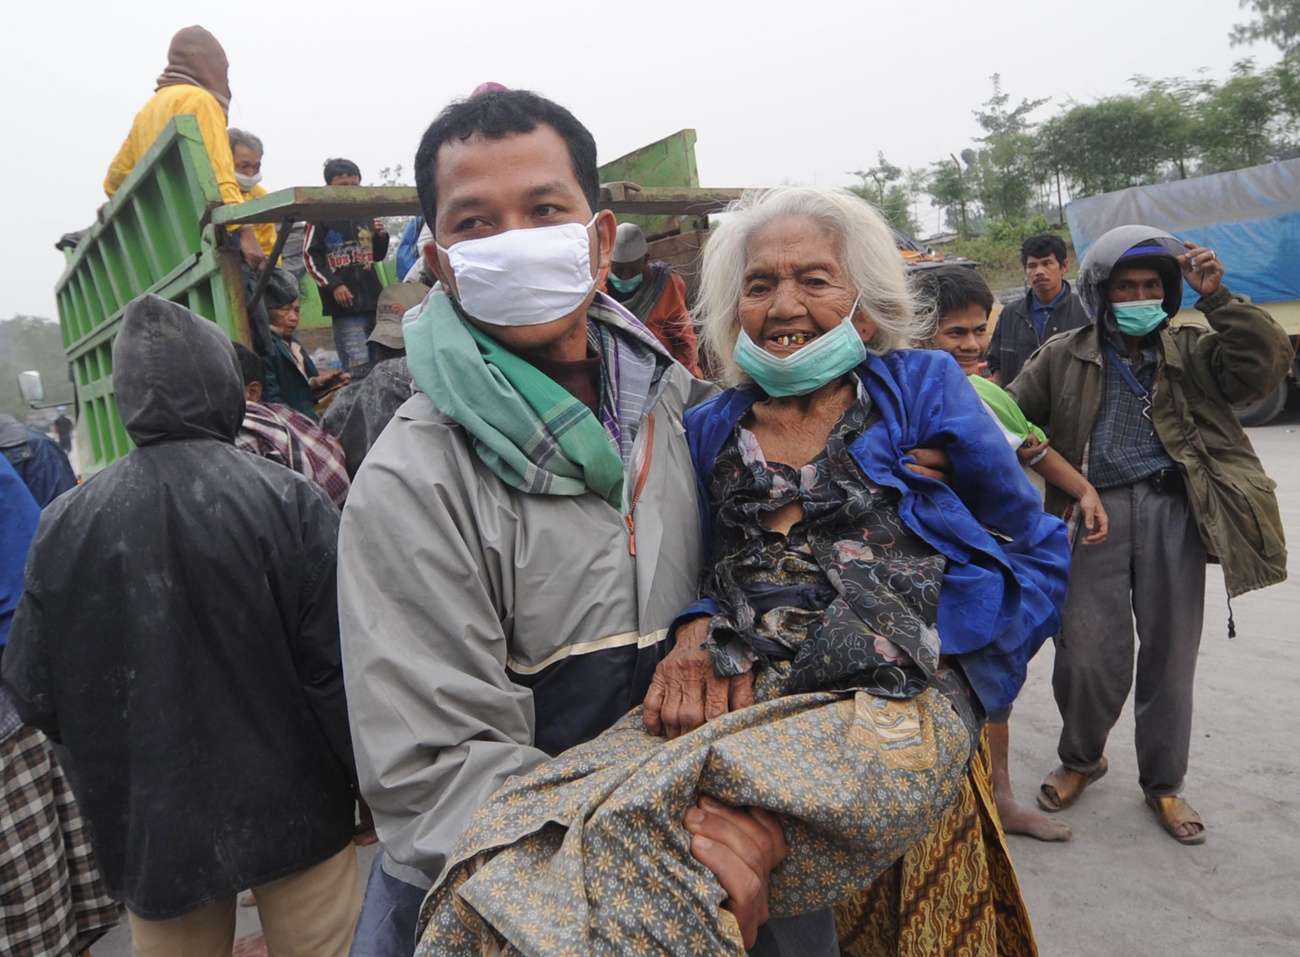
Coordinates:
[521,539]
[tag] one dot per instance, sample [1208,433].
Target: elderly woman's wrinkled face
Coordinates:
[794,288]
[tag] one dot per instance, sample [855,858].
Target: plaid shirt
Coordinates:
[1124,447]
[286,436]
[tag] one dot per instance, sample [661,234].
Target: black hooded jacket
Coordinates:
[179,635]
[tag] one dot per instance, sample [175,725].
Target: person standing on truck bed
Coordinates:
[341,256]
[1144,411]
[1049,307]
[195,81]
[178,634]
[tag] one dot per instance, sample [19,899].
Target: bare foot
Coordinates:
[1021,820]
[253,945]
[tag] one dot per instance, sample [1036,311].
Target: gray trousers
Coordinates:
[1150,568]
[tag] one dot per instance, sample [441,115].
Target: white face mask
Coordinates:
[247,182]
[523,277]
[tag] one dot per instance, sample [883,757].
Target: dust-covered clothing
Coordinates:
[365,406]
[196,687]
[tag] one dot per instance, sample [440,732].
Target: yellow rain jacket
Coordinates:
[176,101]
[265,232]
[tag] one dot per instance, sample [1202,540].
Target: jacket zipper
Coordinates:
[642,475]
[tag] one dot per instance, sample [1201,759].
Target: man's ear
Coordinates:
[435,265]
[606,229]
[1065,265]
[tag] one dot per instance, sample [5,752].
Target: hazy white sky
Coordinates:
[791,91]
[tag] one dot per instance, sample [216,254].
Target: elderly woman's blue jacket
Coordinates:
[1008,560]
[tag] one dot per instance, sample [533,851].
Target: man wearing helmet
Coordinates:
[1143,409]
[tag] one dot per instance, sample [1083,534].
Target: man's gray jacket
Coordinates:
[485,628]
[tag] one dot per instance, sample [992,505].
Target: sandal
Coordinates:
[1063,786]
[1173,813]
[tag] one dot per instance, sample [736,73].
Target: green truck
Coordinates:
[162,232]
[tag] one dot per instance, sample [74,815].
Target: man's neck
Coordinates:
[1134,346]
[1048,297]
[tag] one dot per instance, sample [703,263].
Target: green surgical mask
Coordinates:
[827,357]
[626,285]
[1139,318]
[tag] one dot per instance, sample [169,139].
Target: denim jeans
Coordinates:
[386,927]
[350,334]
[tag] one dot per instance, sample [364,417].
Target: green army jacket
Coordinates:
[1240,358]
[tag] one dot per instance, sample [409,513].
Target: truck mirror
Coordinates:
[31,387]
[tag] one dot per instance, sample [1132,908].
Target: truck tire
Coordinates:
[1263,411]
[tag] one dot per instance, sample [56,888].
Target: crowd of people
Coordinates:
[607,656]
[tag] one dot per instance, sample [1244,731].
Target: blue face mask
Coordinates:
[827,357]
[1139,318]
[626,285]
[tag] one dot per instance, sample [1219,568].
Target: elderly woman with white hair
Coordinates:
[879,613]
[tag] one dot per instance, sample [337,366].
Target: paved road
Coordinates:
[1122,886]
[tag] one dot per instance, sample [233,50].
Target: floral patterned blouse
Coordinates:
[849,595]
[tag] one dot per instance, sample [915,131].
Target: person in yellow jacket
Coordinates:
[195,81]
[246,150]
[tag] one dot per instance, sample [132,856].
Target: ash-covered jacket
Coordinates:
[486,629]
[1240,358]
[179,635]
[1008,561]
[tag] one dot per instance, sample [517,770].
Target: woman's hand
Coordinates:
[741,847]
[1094,517]
[685,692]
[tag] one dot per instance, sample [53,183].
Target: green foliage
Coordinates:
[1014,232]
[891,189]
[1166,129]
[1277,21]
[27,342]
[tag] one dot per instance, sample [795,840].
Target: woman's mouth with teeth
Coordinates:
[794,338]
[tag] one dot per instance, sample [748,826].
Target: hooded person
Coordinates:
[196,687]
[194,81]
[1144,410]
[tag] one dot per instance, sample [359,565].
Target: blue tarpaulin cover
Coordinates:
[1249,217]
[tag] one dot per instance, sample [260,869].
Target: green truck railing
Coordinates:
[162,233]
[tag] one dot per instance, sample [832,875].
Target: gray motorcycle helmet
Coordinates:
[1143,246]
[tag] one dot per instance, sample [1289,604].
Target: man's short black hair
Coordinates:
[494,115]
[340,167]
[1044,244]
[952,288]
[250,364]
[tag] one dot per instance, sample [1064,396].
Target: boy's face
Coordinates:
[519,181]
[345,179]
[964,334]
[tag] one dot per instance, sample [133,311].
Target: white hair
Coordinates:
[244,138]
[868,257]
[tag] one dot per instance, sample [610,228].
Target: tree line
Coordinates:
[1021,168]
